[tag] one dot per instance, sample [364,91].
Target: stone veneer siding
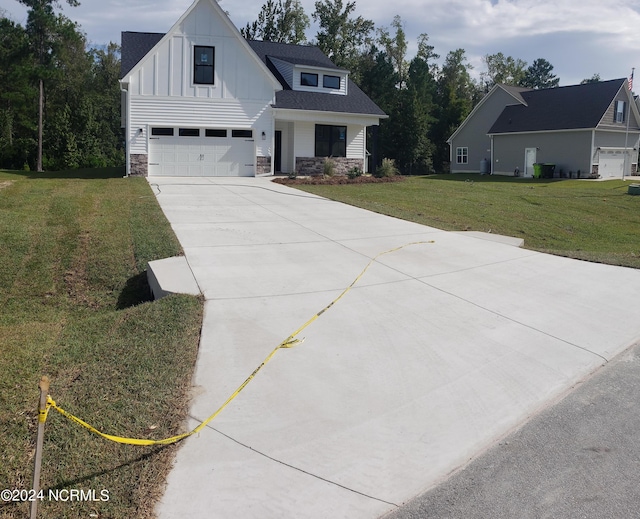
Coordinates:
[263,165]
[309,166]
[138,165]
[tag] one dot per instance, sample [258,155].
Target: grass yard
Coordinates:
[594,221]
[74,306]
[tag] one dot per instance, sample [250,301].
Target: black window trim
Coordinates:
[242,134]
[189,132]
[162,131]
[212,65]
[324,83]
[332,140]
[309,74]
[216,132]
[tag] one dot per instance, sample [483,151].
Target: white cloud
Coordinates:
[579,37]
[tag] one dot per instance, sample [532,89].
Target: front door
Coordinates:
[529,161]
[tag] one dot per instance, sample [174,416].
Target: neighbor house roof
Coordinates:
[355,102]
[560,108]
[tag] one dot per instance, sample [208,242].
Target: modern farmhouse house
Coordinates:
[200,100]
[589,130]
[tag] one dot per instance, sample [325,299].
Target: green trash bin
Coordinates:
[537,170]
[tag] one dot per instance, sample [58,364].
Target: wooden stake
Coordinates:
[44,391]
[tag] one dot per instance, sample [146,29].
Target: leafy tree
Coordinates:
[18,97]
[502,69]
[540,75]
[43,32]
[281,21]
[456,95]
[593,79]
[395,47]
[339,36]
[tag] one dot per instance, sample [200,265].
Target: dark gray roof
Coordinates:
[296,54]
[355,102]
[135,46]
[560,108]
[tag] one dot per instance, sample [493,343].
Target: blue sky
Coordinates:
[579,37]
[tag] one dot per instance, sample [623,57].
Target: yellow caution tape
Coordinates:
[289,342]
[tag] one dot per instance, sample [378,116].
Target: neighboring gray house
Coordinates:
[200,100]
[592,130]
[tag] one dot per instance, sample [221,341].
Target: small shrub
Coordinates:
[293,175]
[387,169]
[354,173]
[329,168]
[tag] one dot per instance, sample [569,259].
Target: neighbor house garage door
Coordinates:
[201,152]
[612,164]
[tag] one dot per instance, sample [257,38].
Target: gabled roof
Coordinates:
[560,108]
[513,91]
[355,102]
[134,47]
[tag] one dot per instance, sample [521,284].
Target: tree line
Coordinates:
[60,100]
[426,101]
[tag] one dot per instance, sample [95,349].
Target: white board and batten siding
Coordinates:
[162,94]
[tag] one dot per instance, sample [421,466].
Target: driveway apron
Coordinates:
[439,350]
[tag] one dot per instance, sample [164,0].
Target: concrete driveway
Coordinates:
[440,349]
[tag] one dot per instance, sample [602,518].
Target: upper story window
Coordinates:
[308,79]
[331,82]
[620,111]
[203,61]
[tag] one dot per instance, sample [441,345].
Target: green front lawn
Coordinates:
[74,305]
[595,221]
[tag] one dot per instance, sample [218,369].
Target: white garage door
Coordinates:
[200,152]
[612,164]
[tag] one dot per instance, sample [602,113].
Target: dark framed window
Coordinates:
[215,133]
[462,155]
[247,134]
[331,82]
[203,62]
[331,141]
[308,79]
[162,131]
[189,132]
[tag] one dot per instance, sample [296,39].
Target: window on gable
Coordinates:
[307,79]
[331,82]
[203,61]
[462,155]
[331,141]
[620,111]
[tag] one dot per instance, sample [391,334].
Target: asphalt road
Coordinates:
[580,458]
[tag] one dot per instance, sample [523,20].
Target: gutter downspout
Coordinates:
[593,152]
[491,168]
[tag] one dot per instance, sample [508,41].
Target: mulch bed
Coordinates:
[331,181]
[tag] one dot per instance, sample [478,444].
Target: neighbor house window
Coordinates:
[462,155]
[307,79]
[203,60]
[331,82]
[620,111]
[162,131]
[331,141]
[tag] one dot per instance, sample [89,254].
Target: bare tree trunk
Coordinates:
[40,110]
